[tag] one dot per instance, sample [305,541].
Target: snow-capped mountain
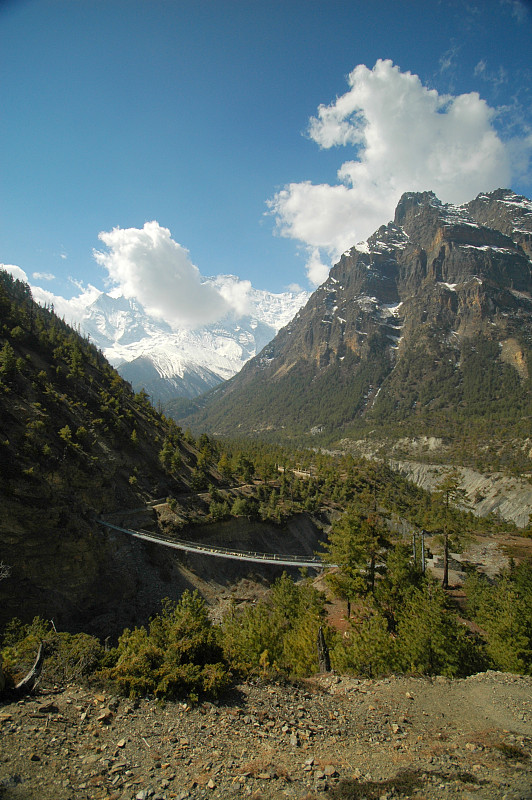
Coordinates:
[169,362]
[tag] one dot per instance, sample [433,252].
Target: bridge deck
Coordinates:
[223,552]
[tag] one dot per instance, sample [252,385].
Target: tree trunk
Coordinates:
[445,582]
[323,653]
[28,683]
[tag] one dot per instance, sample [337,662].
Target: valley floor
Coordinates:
[329,737]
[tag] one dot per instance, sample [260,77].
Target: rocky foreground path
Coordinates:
[328,737]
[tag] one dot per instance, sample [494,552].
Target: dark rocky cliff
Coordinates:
[405,324]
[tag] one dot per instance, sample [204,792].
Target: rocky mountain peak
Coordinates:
[507,212]
[434,287]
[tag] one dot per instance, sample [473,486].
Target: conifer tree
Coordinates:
[354,544]
[430,640]
[448,490]
[8,361]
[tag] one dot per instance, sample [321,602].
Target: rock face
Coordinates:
[409,322]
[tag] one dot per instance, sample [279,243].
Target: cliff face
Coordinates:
[406,323]
[66,569]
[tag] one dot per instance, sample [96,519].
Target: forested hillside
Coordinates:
[75,441]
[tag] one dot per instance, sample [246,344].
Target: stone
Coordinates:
[48,708]
[105,716]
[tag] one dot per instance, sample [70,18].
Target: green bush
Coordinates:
[278,634]
[70,657]
[178,655]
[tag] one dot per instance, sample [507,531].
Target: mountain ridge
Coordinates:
[429,319]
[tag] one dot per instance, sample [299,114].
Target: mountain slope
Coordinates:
[428,323]
[170,363]
[76,442]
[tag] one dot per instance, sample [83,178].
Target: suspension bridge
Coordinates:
[222,552]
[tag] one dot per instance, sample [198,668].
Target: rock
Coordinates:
[105,716]
[48,708]
[396,728]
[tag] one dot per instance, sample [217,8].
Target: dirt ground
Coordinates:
[330,737]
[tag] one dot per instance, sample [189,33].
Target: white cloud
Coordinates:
[235,292]
[317,272]
[405,137]
[15,271]
[147,264]
[42,276]
[71,310]
[295,288]
[517,9]
[497,78]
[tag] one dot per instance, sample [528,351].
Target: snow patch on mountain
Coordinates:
[167,362]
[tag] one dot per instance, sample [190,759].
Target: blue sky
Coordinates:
[203,118]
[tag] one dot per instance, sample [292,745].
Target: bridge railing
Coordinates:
[222,552]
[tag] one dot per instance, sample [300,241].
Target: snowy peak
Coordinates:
[507,212]
[169,363]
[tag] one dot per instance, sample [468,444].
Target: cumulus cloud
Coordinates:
[15,271]
[147,264]
[235,292]
[405,137]
[72,309]
[42,276]
[317,271]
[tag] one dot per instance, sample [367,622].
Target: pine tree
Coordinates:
[368,649]
[448,490]
[430,640]
[354,544]
[8,361]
